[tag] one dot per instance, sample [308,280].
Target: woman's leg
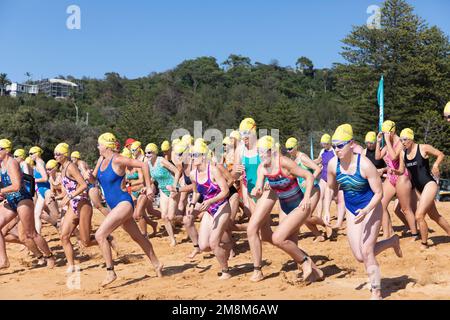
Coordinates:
[323,187]
[34,241]
[68,226]
[52,207]
[430,189]
[132,229]
[85,224]
[259,220]
[281,238]
[6,216]
[164,206]
[404,190]
[388,194]
[425,205]
[115,218]
[94,195]
[220,248]
[40,202]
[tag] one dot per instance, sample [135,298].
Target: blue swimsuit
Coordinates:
[357,192]
[41,187]
[111,184]
[14,198]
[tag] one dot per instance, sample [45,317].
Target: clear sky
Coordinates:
[136,37]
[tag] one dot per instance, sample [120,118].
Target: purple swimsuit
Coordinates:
[209,190]
[327,155]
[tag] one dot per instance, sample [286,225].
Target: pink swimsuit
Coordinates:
[393,164]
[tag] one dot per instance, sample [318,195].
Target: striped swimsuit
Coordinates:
[209,190]
[287,189]
[357,192]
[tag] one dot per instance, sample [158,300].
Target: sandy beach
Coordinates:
[418,275]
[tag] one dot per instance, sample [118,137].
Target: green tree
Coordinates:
[413,57]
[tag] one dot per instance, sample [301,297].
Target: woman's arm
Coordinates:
[74,173]
[440,156]
[177,173]
[97,166]
[237,164]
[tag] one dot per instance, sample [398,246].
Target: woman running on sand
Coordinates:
[44,194]
[165,174]
[18,202]
[304,162]
[210,184]
[110,175]
[185,166]
[415,157]
[361,184]
[394,184]
[79,208]
[282,175]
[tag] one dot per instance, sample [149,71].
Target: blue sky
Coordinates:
[136,37]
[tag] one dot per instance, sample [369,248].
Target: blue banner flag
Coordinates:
[380,97]
[312,148]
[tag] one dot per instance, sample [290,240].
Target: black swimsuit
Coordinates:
[419,170]
[379,164]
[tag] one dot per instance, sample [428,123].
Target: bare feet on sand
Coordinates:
[110,278]
[159,269]
[257,276]
[194,252]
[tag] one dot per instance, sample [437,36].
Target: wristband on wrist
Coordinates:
[192,204]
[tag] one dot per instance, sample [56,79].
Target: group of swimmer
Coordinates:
[253,175]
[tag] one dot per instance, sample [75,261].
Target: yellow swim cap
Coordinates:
[6,144]
[266,143]
[29,161]
[388,126]
[226,141]
[371,137]
[20,153]
[127,153]
[151,147]
[447,108]
[248,124]
[188,139]
[407,133]
[175,142]
[235,134]
[75,154]
[108,140]
[62,148]
[135,145]
[180,148]
[165,146]
[291,143]
[343,133]
[34,150]
[51,164]
[201,148]
[326,138]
